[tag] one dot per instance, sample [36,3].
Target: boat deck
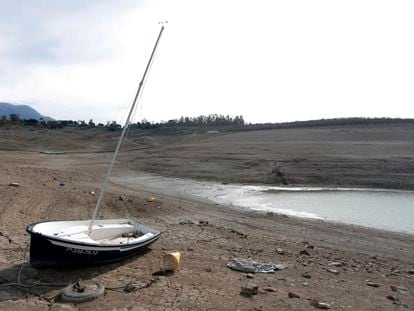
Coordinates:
[103,232]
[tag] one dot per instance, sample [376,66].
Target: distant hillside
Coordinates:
[24,112]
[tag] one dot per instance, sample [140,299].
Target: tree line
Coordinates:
[200,121]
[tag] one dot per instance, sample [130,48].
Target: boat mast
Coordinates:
[108,174]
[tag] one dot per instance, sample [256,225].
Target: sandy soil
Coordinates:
[359,156]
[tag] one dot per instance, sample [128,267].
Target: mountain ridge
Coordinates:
[23,111]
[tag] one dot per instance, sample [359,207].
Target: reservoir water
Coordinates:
[381,209]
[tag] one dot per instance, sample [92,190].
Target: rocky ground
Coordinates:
[328,265]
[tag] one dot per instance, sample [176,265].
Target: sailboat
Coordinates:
[92,242]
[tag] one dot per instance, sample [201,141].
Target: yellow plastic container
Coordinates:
[171,262]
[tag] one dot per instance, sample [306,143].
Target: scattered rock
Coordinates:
[306,275]
[304,252]
[372,284]
[241,234]
[249,290]
[186,222]
[269,289]
[249,276]
[14,184]
[203,222]
[122,198]
[411,271]
[336,264]
[305,284]
[398,289]
[293,295]
[62,183]
[208,270]
[333,271]
[92,193]
[392,298]
[280,251]
[310,246]
[320,305]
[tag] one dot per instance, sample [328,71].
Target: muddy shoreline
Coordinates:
[207,235]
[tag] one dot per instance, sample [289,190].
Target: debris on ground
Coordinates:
[320,305]
[81,292]
[304,252]
[171,262]
[306,275]
[249,290]
[14,184]
[372,284]
[136,284]
[333,271]
[401,290]
[250,266]
[293,295]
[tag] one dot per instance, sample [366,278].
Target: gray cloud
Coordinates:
[63,32]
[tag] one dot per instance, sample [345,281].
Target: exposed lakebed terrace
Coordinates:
[391,210]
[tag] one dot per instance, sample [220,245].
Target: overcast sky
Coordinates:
[269,61]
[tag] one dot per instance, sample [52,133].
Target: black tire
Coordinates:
[92,291]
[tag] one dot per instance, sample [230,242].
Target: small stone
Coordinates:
[14,184]
[280,251]
[269,289]
[249,276]
[333,271]
[186,222]
[249,290]
[392,298]
[92,193]
[208,270]
[304,252]
[372,284]
[306,275]
[401,290]
[121,198]
[203,222]
[305,284]
[293,295]
[336,264]
[310,246]
[320,305]
[410,271]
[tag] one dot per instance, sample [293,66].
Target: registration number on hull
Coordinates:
[81,251]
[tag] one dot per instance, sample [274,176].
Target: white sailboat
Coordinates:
[91,242]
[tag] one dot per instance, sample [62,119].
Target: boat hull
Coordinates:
[48,252]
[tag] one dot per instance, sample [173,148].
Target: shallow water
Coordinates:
[381,209]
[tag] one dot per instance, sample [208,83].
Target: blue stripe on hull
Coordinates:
[44,253]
